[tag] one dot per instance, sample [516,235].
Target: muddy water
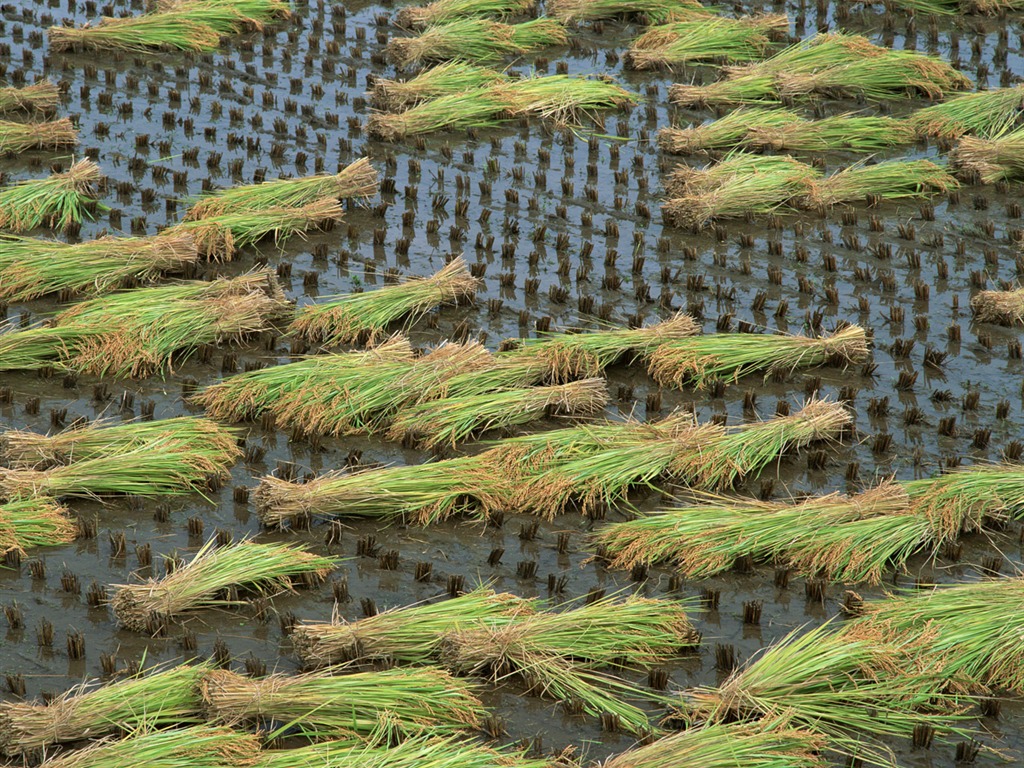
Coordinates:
[191,116]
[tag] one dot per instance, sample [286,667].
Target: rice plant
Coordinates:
[357,180]
[853,692]
[42,97]
[961,501]
[220,237]
[984,114]
[437,424]
[841,132]
[417,752]
[23,137]
[890,180]
[563,99]
[202,582]
[58,202]
[444,11]
[730,131]
[31,267]
[476,40]
[366,316]
[727,745]
[419,494]
[475,108]
[410,701]
[246,396]
[178,31]
[138,333]
[230,16]
[409,634]
[156,699]
[848,539]
[34,522]
[1002,307]
[712,39]
[701,360]
[198,746]
[991,160]
[448,79]
[647,11]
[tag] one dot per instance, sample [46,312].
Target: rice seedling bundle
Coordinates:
[410,634]
[229,16]
[840,538]
[199,746]
[475,108]
[969,632]
[419,752]
[30,267]
[247,395]
[59,201]
[444,11]
[27,349]
[648,11]
[476,40]
[963,500]
[890,180]
[686,180]
[985,114]
[412,701]
[371,401]
[993,160]
[42,97]
[202,582]
[419,493]
[849,690]
[711,39]
[563,99]
[447,422]
[219,237]
[448,79]
[727,132]
[727,745]
[1003,307]
[358,179]
[366,316]
[752,89]
[700,360]
[22,137]
[34,522]
[169,697]
[849,132]
[579,355]
[175,30]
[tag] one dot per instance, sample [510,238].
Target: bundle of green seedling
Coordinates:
[141,332]
[747,38]
[726,745]
[39,98]
[954,7]
[357,180]
[35,521]
[761,128]
[476,40]
[180,25]
[890,180]
[443,80]
[836,65]
[990,160]
[560,99]
[700,361]
[61,201]
[854,692]
[741,185]
[145,459]
[1002,307]
[444,11]
[366,316]
[415,752]
[156,699]
[22,137]
[199,746]
[984,114]
[216,571]
[31,267]
[402,702]
[644,11]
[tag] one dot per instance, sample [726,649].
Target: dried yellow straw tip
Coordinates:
[260,568]
[444,11]
[1002,307]
[169,697]
[42,97]
[35,522]
[990,160]
[410,701]
[366,316]
[22,137]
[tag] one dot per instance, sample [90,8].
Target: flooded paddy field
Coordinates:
[563,230]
